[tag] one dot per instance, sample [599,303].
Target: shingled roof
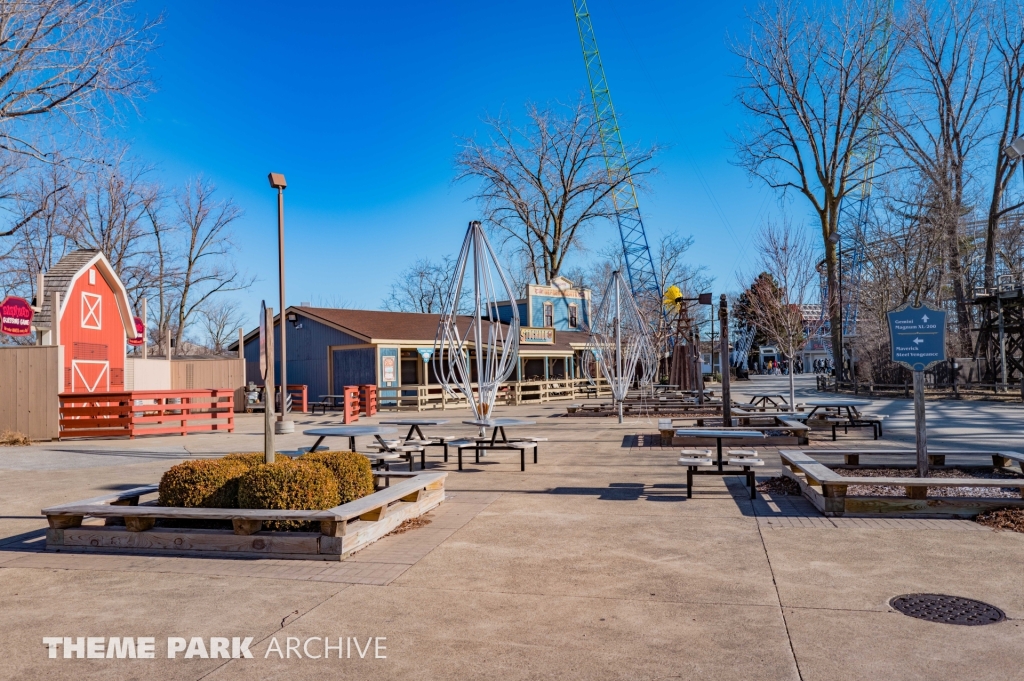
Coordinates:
[375,326]
[59,279]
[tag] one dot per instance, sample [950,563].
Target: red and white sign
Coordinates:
[140,333]
[15,316]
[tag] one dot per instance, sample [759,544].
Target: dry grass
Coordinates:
[1003,519]
[12,438]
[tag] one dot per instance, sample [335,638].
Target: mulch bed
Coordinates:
[899,491]
[410,524]
[1011,519]
[779,485]
[644,412]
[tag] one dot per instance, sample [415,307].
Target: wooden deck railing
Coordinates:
[146,412]
[423,397]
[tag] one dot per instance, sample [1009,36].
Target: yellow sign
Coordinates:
[536,336]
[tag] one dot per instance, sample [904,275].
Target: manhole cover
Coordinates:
[947,609]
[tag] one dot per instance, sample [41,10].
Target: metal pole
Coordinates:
[284,424]
[919,425]
[723,350]
[840,369]
[1002,344]
[477,263]
[618,342]
[145,329]
[268,393]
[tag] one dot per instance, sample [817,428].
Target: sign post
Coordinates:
[267,373]
[918,338]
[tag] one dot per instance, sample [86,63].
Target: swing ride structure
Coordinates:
[620,342]
[480,349]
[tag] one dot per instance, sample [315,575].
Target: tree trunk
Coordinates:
[835,312]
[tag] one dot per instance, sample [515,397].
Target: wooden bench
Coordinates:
[826,489]
[343,529]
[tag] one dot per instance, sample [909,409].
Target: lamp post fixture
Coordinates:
[284,424]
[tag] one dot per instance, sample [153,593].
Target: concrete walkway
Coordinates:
[590,565]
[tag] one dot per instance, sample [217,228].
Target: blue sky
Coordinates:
[361,106]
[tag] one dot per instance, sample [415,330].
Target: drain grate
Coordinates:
[947,609]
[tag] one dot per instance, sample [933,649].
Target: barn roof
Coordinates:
[61,277]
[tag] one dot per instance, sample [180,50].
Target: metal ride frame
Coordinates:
[620,339]
[489,346]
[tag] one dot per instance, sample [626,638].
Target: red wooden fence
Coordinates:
[368,399]
[146,412]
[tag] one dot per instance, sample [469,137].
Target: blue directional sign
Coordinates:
[918,336]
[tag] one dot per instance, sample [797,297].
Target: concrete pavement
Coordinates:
[590,565]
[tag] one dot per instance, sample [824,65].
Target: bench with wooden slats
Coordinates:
[343,529]
[828,490]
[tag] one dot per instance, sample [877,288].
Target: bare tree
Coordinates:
[207,267]
[108,213]
[543,184]
[77,59]
[777,301]
[421,287]
[220,320]
[813,79]
[940,125]
[1005,29]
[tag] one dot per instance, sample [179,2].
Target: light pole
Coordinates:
[283,425]
[840,371]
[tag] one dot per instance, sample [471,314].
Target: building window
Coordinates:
[574,317]
[549,315]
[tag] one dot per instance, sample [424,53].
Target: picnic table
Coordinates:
[327,401]
[483,443]
[838,405]
[768,399]
[852,419]
[414,426]
[693,465]
[351,432]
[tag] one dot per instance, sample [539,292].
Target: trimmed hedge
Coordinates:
[202,483]
[351,471]
[288,485]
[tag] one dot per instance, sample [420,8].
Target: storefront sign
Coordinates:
[16,314]
[140,332]
[536,336]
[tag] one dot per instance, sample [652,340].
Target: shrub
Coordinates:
[250,459]
[351,470]
[288,485]
[12,438]
[202,483]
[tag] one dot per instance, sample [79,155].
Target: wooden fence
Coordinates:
[194,374]
[146,412]
[29,382]
[422,397]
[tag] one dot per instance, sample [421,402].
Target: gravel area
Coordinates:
[899,491]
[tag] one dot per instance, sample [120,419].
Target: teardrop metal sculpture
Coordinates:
[620,341]
[481,345]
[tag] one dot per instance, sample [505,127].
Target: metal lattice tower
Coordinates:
[643,281]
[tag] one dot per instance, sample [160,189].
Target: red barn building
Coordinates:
[95,321]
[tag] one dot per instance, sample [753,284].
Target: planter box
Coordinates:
[827,490]
[343,529]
